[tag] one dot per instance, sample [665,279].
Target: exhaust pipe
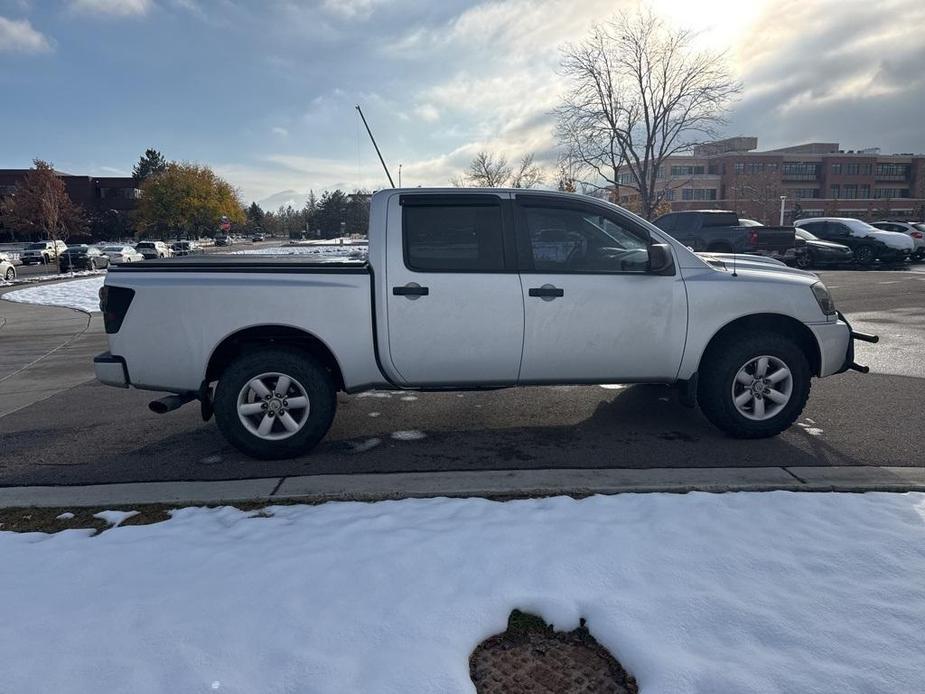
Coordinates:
[854,366]
[170,403]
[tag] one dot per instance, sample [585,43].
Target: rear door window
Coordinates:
[453,236]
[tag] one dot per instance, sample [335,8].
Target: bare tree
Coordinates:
[757,194]
[640,93]
[490,170]
[487,170]
[528,174]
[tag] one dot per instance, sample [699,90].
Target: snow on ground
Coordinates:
[327,251]
[79,294]
[33,279]
[712,593]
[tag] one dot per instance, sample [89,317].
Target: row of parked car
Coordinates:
[96,257]
[809,242]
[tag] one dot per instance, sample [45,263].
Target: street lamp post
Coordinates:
[783,201]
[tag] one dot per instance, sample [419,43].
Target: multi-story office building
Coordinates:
[816,178]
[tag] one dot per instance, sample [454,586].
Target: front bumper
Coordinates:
[111,370]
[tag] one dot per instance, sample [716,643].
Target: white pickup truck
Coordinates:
[470,289]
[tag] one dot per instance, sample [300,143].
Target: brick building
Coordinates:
[817,179]
[96,195]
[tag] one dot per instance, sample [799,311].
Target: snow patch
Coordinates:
[411,435]
[79,294]
[67,515]
[409,398]
[115,518]
[353,252]
[612,386]
[363,446]
[812,431]
[738,592]
[375,414]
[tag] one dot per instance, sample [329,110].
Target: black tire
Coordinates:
[300,366]
[865,255]
[10,274]
[718,371]
[804,260]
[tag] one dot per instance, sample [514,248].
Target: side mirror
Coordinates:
[661,261]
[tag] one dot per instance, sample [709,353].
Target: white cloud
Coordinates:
[278,130]
[427,113]
[19,36]
[113,8]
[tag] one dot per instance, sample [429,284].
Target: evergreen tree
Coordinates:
[151,162]
[332,210]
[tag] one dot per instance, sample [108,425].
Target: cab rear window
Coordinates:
[448,237]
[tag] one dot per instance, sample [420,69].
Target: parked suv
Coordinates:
[914,229]
[43,252]
[867,242]
[152,250]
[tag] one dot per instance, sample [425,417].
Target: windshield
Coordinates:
[36,247]
[112,249]
[145,245]
[805,235]
[920,226]
[76,251]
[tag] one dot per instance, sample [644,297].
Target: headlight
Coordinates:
[823,298]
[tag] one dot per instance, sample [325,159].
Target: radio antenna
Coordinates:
[370,132]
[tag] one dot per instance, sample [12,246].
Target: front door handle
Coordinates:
[412,290]
[547,292]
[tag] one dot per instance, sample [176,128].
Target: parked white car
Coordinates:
[916,231]
[43,252]
[470,289]
[868,242]
[152,250]
[7,270]
[122,254]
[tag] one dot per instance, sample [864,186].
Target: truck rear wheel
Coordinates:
[275,403]
[754,386]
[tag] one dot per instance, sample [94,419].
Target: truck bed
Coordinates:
[220,262]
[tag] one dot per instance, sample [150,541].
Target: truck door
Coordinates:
[593,311]
[455,306]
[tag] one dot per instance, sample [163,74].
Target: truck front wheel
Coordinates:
[275,403]
[754,386]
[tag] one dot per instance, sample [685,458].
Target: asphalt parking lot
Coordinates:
[60,428]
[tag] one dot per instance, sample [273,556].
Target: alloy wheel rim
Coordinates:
[762,388]
[273,406]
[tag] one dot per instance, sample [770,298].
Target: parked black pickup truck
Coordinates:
[720,231]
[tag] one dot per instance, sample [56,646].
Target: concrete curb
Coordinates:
[489,483]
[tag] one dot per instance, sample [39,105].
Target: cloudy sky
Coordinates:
[263,90]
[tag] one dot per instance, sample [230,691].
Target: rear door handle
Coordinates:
[411,289]
[547,291]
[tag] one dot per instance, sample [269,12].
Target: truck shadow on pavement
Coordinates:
[62,441]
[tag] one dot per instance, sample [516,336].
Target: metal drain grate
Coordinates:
[530,657]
